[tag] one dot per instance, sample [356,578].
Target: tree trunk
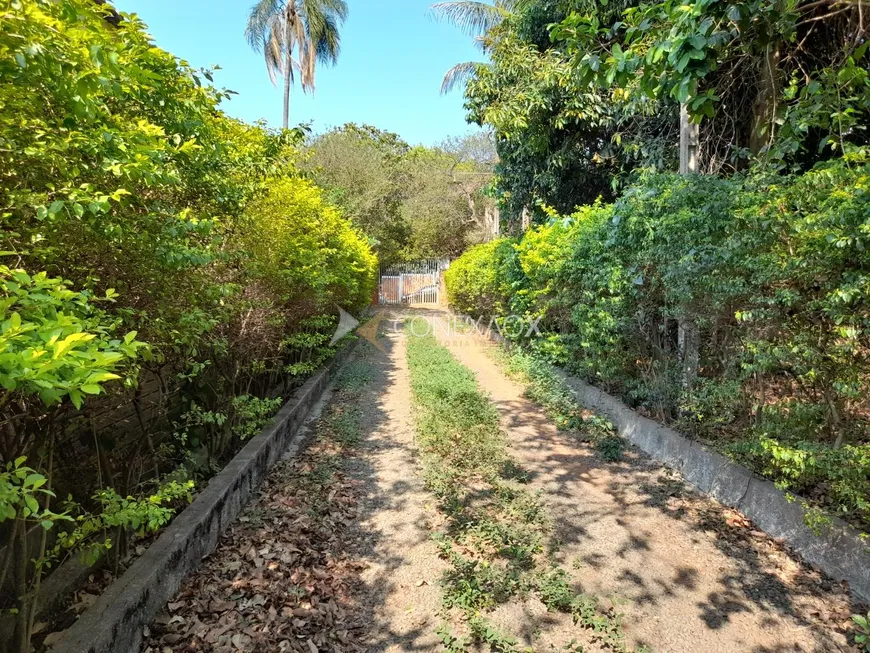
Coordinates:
[689,135]
[689,345]
[526,220]
[492,222]
[769,85]
[687,336]
[288,65]
[21,639]
[288,83]
[32,606]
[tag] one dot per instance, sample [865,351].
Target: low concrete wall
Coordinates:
[115,622]
[839,550]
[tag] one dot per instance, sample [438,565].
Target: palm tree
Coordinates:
[475,19]
[294,35]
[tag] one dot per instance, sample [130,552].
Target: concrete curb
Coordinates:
[114,623]
[839,550]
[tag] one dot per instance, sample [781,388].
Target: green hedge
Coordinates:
[773,271]
[479,283]
[144,228]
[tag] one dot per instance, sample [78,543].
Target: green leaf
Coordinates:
[683,62]
[32,505]
[683,91]
[76,398]
[34,481]
[101,377]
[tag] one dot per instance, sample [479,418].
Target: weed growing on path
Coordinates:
[497,536]
[355,376]
[544,387]
[862,636]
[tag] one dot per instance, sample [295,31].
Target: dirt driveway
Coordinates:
[337,553]
[688,574]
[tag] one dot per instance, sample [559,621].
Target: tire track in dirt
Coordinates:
[680,586]
[400,584]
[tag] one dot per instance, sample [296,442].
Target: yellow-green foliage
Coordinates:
[545,248]
[542,253]
[123,181]
[478,282]
[142,228]
[307,250]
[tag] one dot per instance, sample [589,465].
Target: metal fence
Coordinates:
[415,282]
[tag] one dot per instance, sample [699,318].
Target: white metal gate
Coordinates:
[417,282]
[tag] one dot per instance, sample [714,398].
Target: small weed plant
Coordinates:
[862,636]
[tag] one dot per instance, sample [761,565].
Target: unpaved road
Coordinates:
[681,582]
[342,560]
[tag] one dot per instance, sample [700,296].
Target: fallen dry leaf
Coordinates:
[280,576]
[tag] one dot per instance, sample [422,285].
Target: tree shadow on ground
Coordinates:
[391,501]
[616,520]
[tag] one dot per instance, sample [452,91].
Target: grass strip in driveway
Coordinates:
[496,533]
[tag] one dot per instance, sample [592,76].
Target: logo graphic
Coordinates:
[346,324]
[369,330]
[511,327]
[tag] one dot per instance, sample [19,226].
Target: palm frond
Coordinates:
[328,42]
[514,6]
[259,18]
[302,43]
[336,8]
[323,19]
[277,47]
[459,74]
[472,17]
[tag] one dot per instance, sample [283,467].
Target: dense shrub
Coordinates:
[770,270]
[306,250]
[143,232]
[479,283]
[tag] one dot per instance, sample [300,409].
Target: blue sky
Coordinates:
[389,74]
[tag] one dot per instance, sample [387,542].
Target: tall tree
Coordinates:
[294,35]
[413,202]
